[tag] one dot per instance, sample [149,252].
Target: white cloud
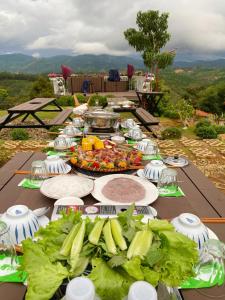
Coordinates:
[84,26]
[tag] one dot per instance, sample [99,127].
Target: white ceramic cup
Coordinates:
[153,170]
[71,131]
[191,226]
[22,222]
[142,290]
[80,288]
[78,122]
[135,133]
[148,147]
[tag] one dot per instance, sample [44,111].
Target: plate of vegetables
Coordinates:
[117,251]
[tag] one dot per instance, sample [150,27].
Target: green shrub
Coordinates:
[102,100]
[206,132]
[203,123]
[219,129]
[171,133]
[55,128]
[65,101]
[171,114]
[19,134]
[81,98]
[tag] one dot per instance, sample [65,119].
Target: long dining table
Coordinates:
[201,198]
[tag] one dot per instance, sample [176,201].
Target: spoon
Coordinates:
[41,211]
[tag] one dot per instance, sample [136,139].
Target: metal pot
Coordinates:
[101,119]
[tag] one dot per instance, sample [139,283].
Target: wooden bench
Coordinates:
[2,119]
[62,117]
[156,130]
[145,117]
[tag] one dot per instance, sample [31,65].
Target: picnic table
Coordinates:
[149,100]
[201,198]
[31,108]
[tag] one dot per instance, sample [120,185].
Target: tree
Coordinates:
[185,111]
[42,87]
[150,38]
[3,98]
[212,99]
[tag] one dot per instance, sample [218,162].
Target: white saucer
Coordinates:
[128,136]
[69,201]
[140,173]
[51,144]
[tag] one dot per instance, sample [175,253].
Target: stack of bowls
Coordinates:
[147,147]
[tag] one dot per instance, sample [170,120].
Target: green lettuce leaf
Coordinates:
[44,277]
[110,283]
[160,225]
[133,268]
[150,276]
[180,255]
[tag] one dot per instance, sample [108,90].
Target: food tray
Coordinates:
[114,170]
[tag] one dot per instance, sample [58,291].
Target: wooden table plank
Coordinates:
[207,188]
[33,105]
[194,201]
[7,171]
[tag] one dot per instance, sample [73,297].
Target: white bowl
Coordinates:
[78,122]
[153,170]
[55,164]
[147,147]
[191,226]
[129,123]
[71,131]
[118,139]
[22,222]
[135,133]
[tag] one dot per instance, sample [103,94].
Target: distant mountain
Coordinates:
[81,63]
[218,63]
[20,63]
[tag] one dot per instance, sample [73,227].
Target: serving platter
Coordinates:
[105,170]
[151,192]
[66,186]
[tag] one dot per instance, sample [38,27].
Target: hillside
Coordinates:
[20,63]
[82,63]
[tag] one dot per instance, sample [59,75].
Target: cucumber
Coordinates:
[95,234]
[140,244]
[67,243]
[110,244]
[77,245]
[117,234]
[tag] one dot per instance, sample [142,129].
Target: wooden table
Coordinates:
[201,198]
[30,108]
[149,100]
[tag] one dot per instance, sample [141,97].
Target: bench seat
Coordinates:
[145,117]
[61,117]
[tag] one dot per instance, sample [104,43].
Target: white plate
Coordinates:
[140,173]
[69,201]
[66,186]
[51,145]
[151,192]
[127,135]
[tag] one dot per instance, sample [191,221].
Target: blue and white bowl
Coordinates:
[153,170]
[21,221]
[147,147]
[55,164]
[191,226]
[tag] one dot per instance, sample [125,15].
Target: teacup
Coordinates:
[129,123]
[21,221]
[191,226]
[71,131]
[78,122]
[147,147]
[55,164]
[135,133]
[62,142]
[153,170]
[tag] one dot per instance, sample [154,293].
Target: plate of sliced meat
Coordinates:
[120,189]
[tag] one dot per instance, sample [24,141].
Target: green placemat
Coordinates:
[152,157]
[131,142]
[9,272]
[50,153]
[171,192]
[28,184]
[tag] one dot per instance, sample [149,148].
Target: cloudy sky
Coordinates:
[54,27]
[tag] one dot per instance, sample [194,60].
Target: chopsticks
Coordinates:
[24,172]
[213,220]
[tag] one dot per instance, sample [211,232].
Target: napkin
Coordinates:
[28,184]
[152,157]
[49,153]
[9,272]
[170,192]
